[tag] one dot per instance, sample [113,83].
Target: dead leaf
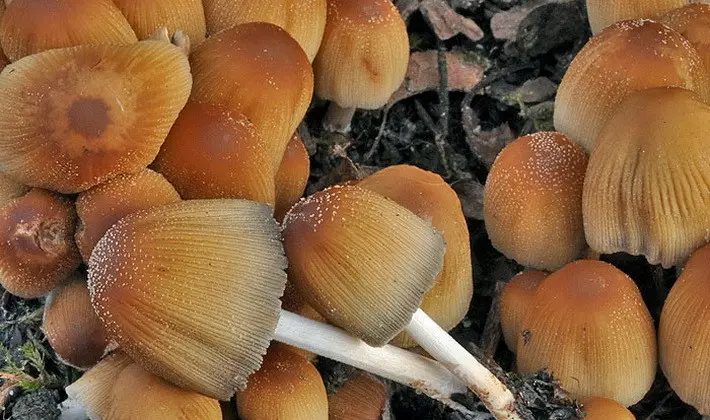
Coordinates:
[407,7]
[470,194]
[446,23]
[486,144]
[504,25]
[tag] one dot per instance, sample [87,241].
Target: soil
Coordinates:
[493,68]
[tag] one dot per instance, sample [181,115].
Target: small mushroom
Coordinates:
[596,408]
[693,22]
[514,301]
[603,13]
[292,176]
[148,16]
[93,390]
[362,397]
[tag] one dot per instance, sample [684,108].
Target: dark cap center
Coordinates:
[89,117]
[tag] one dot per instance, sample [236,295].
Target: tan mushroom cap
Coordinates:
[624,58]
[533,200]
[683,332]
[364,54]
[693,22]
[72,118]
[362,260]
[304,20]
[362,397]
[292,176]
[588,325]
[286,386]
[603,13]
[428,196]
[646,189]
[31,26]
[514,301]
[258,69]
[145,17]
[597,408]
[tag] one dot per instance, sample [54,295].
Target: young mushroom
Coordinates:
[514,301]
[362,397]
[603,13]
[596,408]
[693,22]
[72,118]
[148,16]
[362,60]
[292,176]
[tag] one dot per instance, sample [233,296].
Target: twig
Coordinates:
[658,406]
[429,122]
[491,331]
[444,110]
[380,133]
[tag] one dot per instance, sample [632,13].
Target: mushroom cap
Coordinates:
[532,203]
[31,26]
[258,69]
[37,250]
[71,325]
[105,204]
[428,196]
[364,54]
[589,326]
[693,22]
[190,290]
[292,176]
[362,397]
[213,151]
[684,328]
[9,190]
[514,301]
[363,261]
[286,386]
[304,20]
[624,58]
[72,118]
[148,16]
[597,408]
[603,13]
[646,189]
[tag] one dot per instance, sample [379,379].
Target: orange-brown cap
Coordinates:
[103,205]
[532,204]
[292,176]
[37,250]
[597,408]
[626,57]
[213,151]
[72,118]
[693,22]
[646,189]
[362,397]
[684,332]
[589,326]
[304,20]
[258,69]
[603,13]
[31,26]
[428,196]
[514,301]
[176,15]
[286,387]
[9,190]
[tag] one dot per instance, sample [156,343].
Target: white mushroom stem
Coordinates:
[337,118]
[441,346]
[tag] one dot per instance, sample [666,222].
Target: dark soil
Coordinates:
[456,133]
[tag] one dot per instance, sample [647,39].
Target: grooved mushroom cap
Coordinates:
[532,203]
[94,389]
[72,118]
[286,386]
[588,325]
[31,26]
[213,151]
[624,58]
[292,176]
[176,15]
[693,22]
[258,69]
[364,54]
[428,196]
[363,261]
[304,20]
[646,189]
[684,348]
[514,301]
[603,13]
[362,397]
[190,290]
[597,408]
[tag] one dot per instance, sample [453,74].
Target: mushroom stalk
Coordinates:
[437,342]
[338,119]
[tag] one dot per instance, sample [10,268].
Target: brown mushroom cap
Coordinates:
[72,118]
[213,151]
[148,16]
[292,176]
[597,408]
[626,57]
[286,386]
[304,20]
[362,397]
[428,196]
[9,190]
[683,332]
[37,249]
[31,26]
[533,200]
[693,22]
[603,13]
[514,301]
[646,189]
[258,69]
[589,326]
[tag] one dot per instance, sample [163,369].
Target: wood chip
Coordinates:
[446,23]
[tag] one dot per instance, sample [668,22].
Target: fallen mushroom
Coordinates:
[514,301]
[362,397]
[145,17]
[603,13]
[292,176]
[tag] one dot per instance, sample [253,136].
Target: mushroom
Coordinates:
[304,20]
[93,390]
[362,397]
[588,325]
[259,70]
[684,328]
[646,188]
[37,250]
[292,176]
[532,203]
[428,196]
[603,13]
[10,190]
[103,205]
[596,408]
[362,59]
[693,22]
[514,301]
[30,26]
[365,262]
[213,151]
[146,17]
[75,117]
[286,386]
[624,58]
